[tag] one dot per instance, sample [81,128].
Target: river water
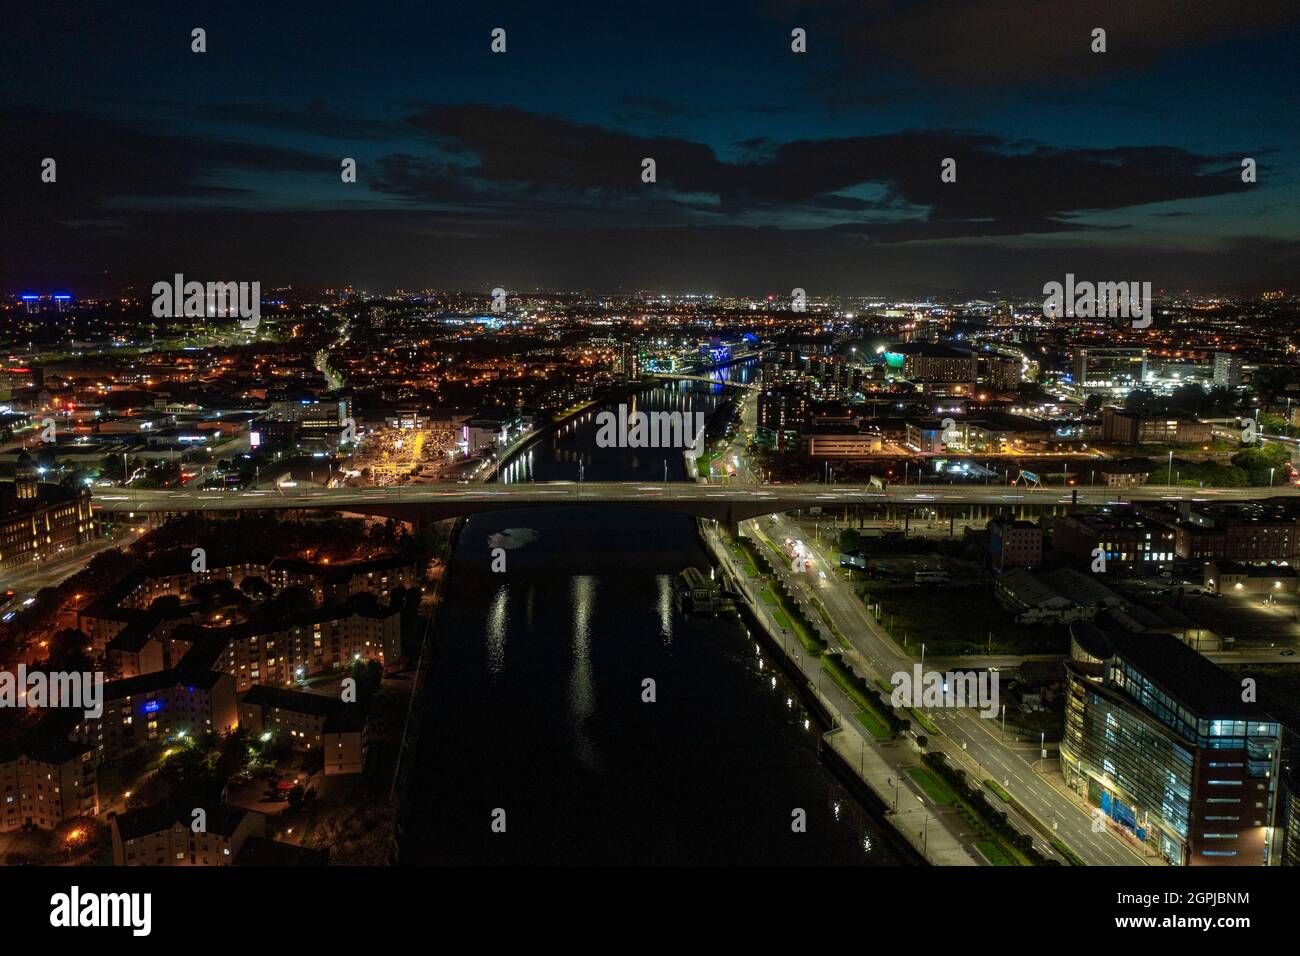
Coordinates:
[535,715]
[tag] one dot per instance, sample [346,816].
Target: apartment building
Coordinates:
[142,710]
[1235,531]
[312,722]
[183,835]
[282,652]
[44,782]
[1015,544]
[1131,543]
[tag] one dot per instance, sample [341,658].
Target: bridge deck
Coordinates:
[773,497]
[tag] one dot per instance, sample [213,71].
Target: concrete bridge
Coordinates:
[728,504]
[679,377]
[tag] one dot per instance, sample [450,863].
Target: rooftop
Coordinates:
[220,819]
[1185,675]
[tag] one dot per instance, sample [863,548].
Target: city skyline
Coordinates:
[855,433]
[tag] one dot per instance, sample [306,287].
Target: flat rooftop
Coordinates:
[1185,675]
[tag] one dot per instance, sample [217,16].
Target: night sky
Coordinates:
[775,169]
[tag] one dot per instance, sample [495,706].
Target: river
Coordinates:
[535,712]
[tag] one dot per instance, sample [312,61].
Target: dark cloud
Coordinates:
[101,162]
[1008,42]
[515,146]
[1001,188]
[652,107]
[493,166]
[316,118]
[930,230]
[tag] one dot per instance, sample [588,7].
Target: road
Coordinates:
[781,497]
[943,837]
[31,578]
[970,736]
[879,657]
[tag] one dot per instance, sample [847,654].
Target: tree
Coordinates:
[1222,401]
[293,600]
[256,588]
[369,676]
[1189,399]
[102,572]
[1139,399]
[1262,462]
[1274,424]
[75,480]
[850,540]
[69,651]
[205,591]
[166,605]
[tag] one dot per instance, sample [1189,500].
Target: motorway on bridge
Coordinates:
[780,497]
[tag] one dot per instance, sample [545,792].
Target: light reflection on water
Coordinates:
[582,689]
[495,626]
[666,610]
[545,716]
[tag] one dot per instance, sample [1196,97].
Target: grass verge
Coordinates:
[1070,856]
[999,790]
[873,725]
[993,853]
[859,691]
[934,788]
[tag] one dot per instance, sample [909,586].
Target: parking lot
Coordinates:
[1252,621]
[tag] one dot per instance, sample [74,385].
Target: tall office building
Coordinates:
[1001,372]
[630,362]
[783,410]
[1227,370]
[1159,740]
[1109,369]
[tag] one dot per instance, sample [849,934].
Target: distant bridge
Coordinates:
[679,377]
